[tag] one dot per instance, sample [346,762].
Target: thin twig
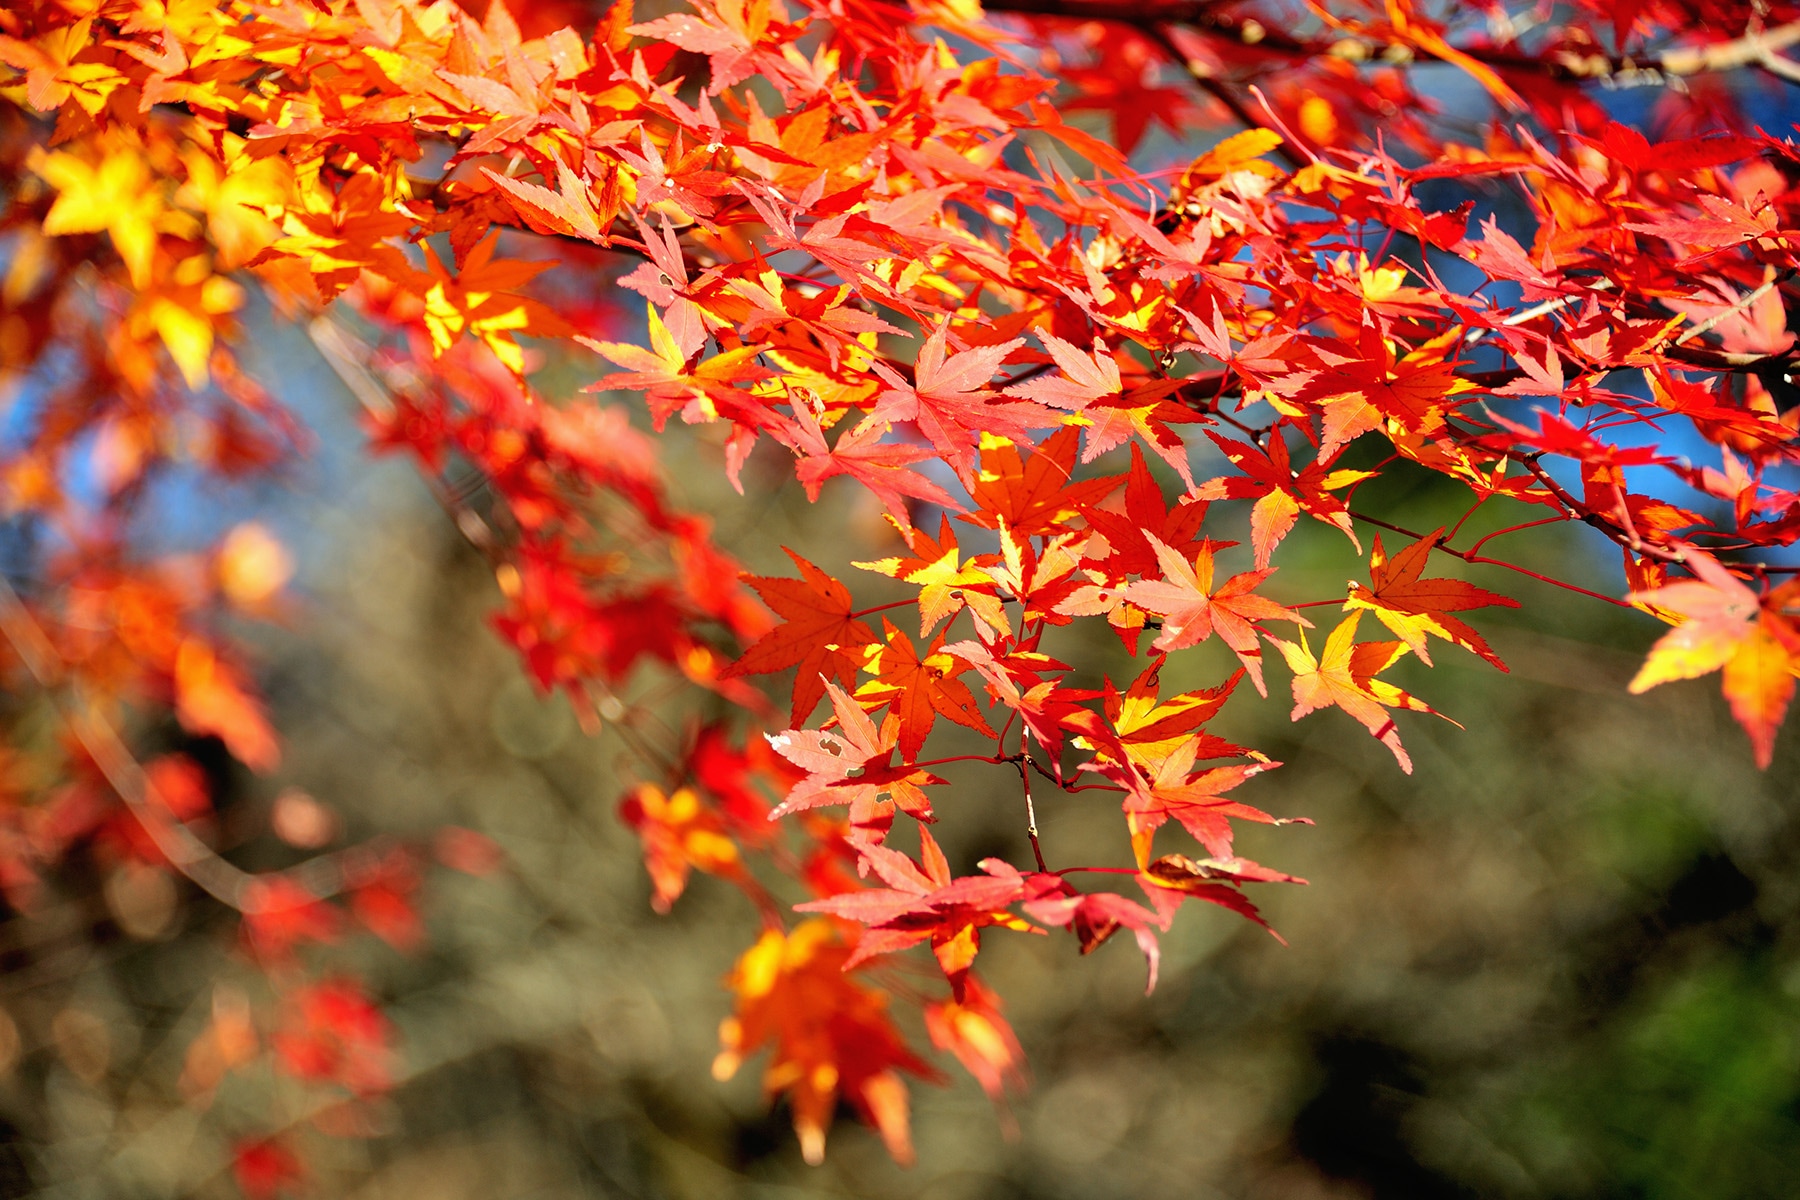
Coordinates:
[1743,302]
[1031,826]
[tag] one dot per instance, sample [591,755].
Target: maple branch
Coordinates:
[1619,529]
[864,612]
[1464,519]
[1222,386]
[1482,541]
[347,357]
[995,759]
[1530,314]
[1031,828]
[1203,78]
[1743,302]
[1469,556]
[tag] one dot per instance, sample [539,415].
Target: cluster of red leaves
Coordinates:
[860,250]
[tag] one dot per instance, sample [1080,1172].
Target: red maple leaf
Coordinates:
[852,766]
[820,637]
[918,689]
[1280,494]
[922,901]
[949,402]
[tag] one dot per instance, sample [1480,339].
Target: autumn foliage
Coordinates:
[931,253]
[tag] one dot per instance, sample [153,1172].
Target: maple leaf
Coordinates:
[1083,379]
[880,466]
[1034,491]
[727,32]
[1413,607]
[569,210]
[672,380]
[1093,917]
[830,1036]
[820,637]
[974,1030]
[679,834]
[116,194]
[826,317]
[924,902]
[1193,611]
[1195,800]
[1173,879]
[481,299]
[210,697]
[1147,514]
[1725,625]
[1358,392]
[1142,411]
[1280,494]
[853,767]
[1015,680]
[949,402]
[1344,675]
[1723,223]
[918,689]
[947,583]
[1037,581]
[53,76]
[1150,728]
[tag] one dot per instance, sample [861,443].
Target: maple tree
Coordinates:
[868,242]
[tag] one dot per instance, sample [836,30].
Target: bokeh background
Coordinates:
[1560,960]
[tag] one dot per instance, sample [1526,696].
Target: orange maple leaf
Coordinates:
[831,1036]
[1193,611]
[1034,494]
[820,637]
[1723,624]
[1413,607]
[947,582]
[1344,675]
[211,697]
[679,833]
[920,689]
